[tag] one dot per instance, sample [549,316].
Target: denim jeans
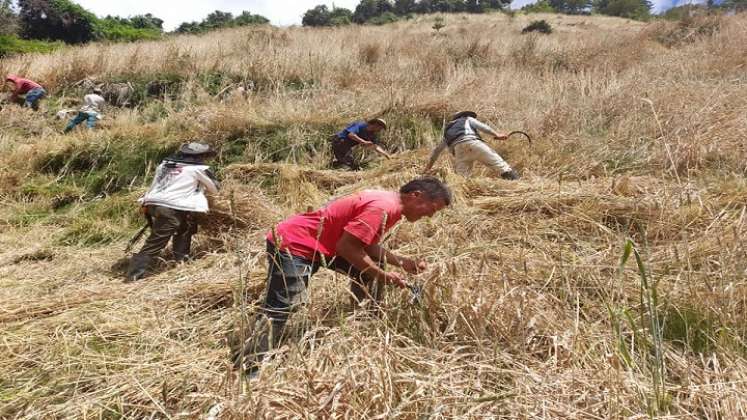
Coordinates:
[90,119]
[33,97]
[287,282]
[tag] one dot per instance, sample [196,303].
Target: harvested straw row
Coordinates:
[239,207]
[326,179]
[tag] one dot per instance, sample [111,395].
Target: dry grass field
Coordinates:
[609,282]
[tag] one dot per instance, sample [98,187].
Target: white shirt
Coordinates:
[181,186]
[93,104]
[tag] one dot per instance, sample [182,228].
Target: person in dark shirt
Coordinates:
[359,133]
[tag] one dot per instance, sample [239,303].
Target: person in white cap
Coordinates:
[177,192]
[462,138]
[359,133]
[93,105]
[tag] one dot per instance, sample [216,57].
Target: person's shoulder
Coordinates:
[379,198]
[198,167]
[358,125]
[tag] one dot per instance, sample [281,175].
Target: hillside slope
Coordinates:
[639,133]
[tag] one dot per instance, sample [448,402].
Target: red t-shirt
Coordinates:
[23,86]
[362,215]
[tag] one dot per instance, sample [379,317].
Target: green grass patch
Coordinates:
[106,167]
[99,222]
[690,329]
[11,45]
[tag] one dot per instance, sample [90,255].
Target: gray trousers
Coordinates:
[166,223]
[287,282]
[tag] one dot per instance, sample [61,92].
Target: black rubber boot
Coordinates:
[138,267]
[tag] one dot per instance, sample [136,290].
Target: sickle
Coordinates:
[416,294]
[522,133]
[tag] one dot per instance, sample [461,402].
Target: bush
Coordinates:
[540,26]
[631,9]
[542,6]
[218,19]
[113,29]
[383,19]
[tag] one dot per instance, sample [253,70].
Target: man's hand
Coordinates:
[500,136]
[412,266]
[395,278]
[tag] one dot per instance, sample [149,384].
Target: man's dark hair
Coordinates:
[431,186]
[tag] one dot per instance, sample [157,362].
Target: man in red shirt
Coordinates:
[33,91]
[343,236]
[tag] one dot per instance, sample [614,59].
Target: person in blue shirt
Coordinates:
[359,133]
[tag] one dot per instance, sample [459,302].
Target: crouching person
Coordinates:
[462,138]
[90,112]
[343,236]
[25,90]
[178,191]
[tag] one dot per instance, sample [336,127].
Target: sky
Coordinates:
[280,12]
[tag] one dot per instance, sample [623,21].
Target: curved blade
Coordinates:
[522,133]
[416,294]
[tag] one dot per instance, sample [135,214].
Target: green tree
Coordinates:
[542,6]
[8,18]
[369,9]
[340,16]
[424,6]
[56,20]
[405,7]
[217,19]
[318,16]
[246,18]
[475,6]
[448,6]
[495,4]
[188,28]
[321,16]
[631,9]
[571,7]
[383,19]
[147,21]
[737,5]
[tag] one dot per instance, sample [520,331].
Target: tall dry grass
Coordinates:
[528,312]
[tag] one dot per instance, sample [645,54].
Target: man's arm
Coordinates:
[480,126]
[207,179]
[359,140]
[366,143]
[353,250]
[378,253]
[14,93]
[434,155]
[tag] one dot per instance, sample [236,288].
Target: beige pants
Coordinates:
[466,153]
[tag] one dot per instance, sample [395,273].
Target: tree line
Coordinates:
[631,9]
[24,21]
[385,11]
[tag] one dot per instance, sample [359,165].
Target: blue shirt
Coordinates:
[360,129]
